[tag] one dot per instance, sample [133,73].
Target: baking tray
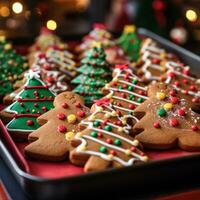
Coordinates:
[169,171]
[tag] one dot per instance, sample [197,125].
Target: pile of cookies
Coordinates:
[132,95]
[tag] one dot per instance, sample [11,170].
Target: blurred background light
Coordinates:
[51,25]
[4,11]
[17,7]
[191,15]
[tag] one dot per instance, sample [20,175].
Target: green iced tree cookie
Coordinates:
[94,74]
[34,100]
[130,42]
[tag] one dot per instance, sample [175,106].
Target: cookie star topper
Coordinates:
[129,29]
[96,44]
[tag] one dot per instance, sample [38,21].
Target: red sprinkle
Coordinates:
[194,128]
[174,100]
[131,106]
[62,129]
[113,152]
[109,141]
[173,122]
[123,95]
[156,125]
[61,116]
[78,105]
[124,86]
[100,135]
[50,79]
[44,108]
[30,122]
[181,112]
[193,88]
[177,84]
[140,92]
[118,122]
[185,81]
[36,93]
[105,122]
[155,61]
[171,74]
[114,83]
[21,104]
[186,71]
[46,66]
[195,100]
[65,105]
[185,92]
[133,148]
[36,104]
[81,113]
[172,92]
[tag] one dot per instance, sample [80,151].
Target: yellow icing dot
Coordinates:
[135,142]
[99,109]
[163,55]
[7,46]
[71,118]
[33,110]
[115,79]
[120,129]
[2,38]
[168,106]
[107,115]
[83,148]
[129,29]
[114,113]
[145,158]
[109,96]
[79,134]
[110,156]
[160,95]
[69,135]
[128,152]
[91,118]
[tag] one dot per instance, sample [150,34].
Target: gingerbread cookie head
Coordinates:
[168,121]
[106,140]
[33,100]
[51,141]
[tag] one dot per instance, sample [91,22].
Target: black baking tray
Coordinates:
[140,181]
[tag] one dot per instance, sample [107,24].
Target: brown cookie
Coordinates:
[106,140]
[169,120]
[51,141]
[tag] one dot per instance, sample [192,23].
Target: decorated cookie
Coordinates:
[52,140]
[169,120]
[32,101]
[126,90]
[106,141]
[130,42]
[12,67]
[95,73]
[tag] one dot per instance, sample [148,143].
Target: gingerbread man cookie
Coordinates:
[169,120]
[59,125]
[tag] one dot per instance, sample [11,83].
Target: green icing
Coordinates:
[130,43]
[95,73]
[21,124]
[30,107]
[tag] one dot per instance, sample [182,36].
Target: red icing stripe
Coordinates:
[35,87]
[26,115]
[25,100]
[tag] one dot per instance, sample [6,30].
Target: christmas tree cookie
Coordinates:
[12,67]
[52,140]
[169,120]
[126,90]
[95,73]
[34,100]
[106,141]
[130,42]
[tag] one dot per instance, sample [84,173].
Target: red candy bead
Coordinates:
[155,61]
[61,116]
[100,135]
[119,112]
[142,154]
[193,88]
[181,112]
[185,81]
[30,122]
[172,92]
[133,148]
[156,125]
[36,93]
[36,104]
[50,79]
[81,113]
[174,100]
[194,128]
[119,104]
[140,92]
[113,152]
[78,105]
[177,84]
[114,83]
[123,95]
[186,71]
[124,86]
[195,100]
[41,55]
[44,108]
[118,122]
[65,105]
[62,129]
[46,66]
[173,122]
[21,104]
[185,92]
[104,122]
[109,141]
[171,74]
[131,106]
